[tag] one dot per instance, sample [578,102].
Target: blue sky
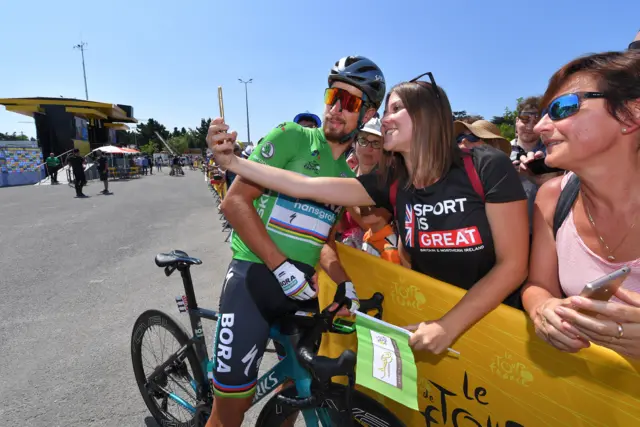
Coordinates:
[167,58]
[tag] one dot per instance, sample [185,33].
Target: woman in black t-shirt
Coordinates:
[462,216]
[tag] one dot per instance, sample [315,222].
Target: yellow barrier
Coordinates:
[221,189]
[505,375]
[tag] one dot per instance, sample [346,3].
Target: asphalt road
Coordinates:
[74,276]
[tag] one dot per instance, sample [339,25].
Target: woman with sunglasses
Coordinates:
[463,218]
[480,132]
[585,222]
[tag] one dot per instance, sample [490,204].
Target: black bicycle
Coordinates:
[175,384]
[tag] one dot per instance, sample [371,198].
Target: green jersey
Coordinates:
[298,227]
[52,161]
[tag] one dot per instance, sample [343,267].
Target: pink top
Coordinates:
[578,265]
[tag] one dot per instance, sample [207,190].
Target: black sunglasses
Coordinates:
[468,136]
[431,82]
[634,45]
[527,117]
[431,79]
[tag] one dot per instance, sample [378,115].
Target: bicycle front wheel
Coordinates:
[365,410]
[171,396]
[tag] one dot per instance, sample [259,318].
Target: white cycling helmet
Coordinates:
[372,127]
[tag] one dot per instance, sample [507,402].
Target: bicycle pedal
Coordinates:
[182,303]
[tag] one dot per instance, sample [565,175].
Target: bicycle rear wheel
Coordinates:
[172,395]
[366,411]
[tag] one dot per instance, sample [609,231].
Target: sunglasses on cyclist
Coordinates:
[363,142]
[468,136]
[568,104]
[527,117]
[347,100]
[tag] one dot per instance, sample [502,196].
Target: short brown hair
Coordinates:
[433,147]
[529,103]
[617,75]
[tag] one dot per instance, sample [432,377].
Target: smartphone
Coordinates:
[602,289]
[539,167]
[220,102]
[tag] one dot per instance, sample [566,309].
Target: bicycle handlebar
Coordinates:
[324,368]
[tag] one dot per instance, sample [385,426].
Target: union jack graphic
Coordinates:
[409,221]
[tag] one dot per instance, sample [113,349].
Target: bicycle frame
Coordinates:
[289,368]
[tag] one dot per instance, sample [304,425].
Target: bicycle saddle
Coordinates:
[175,257]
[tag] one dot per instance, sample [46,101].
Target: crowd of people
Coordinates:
[526,222]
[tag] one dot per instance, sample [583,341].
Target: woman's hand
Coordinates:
[430,336]
[553,329]
[221,142]
[617,326]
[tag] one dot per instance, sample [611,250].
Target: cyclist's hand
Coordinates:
[553,329]
[430,336]
[346,289]
[221,142]
[295,284]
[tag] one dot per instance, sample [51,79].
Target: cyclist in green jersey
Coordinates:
[278,240]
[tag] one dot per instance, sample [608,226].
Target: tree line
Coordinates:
[179,140]
[182,139]
[506,122]
[14,137]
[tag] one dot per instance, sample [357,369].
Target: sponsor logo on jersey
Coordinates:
[313,166]
[302,220]
[267,150]
[224,340]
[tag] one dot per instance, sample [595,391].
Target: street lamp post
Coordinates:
[81,46]
[246,96]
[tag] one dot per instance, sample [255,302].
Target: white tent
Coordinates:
[112,149]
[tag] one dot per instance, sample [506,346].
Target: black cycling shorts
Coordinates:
[242,330]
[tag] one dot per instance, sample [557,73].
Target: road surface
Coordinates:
[74,276]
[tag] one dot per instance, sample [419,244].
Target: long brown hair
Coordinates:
[617,75]
[433,148]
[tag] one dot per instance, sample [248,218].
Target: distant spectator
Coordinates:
[103,170]
[363,160]
[76,162]
[150,161]
[480,132]
[527,147]
[308,120]
[247,151]
[365,227]
[145,164]
[53,164]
